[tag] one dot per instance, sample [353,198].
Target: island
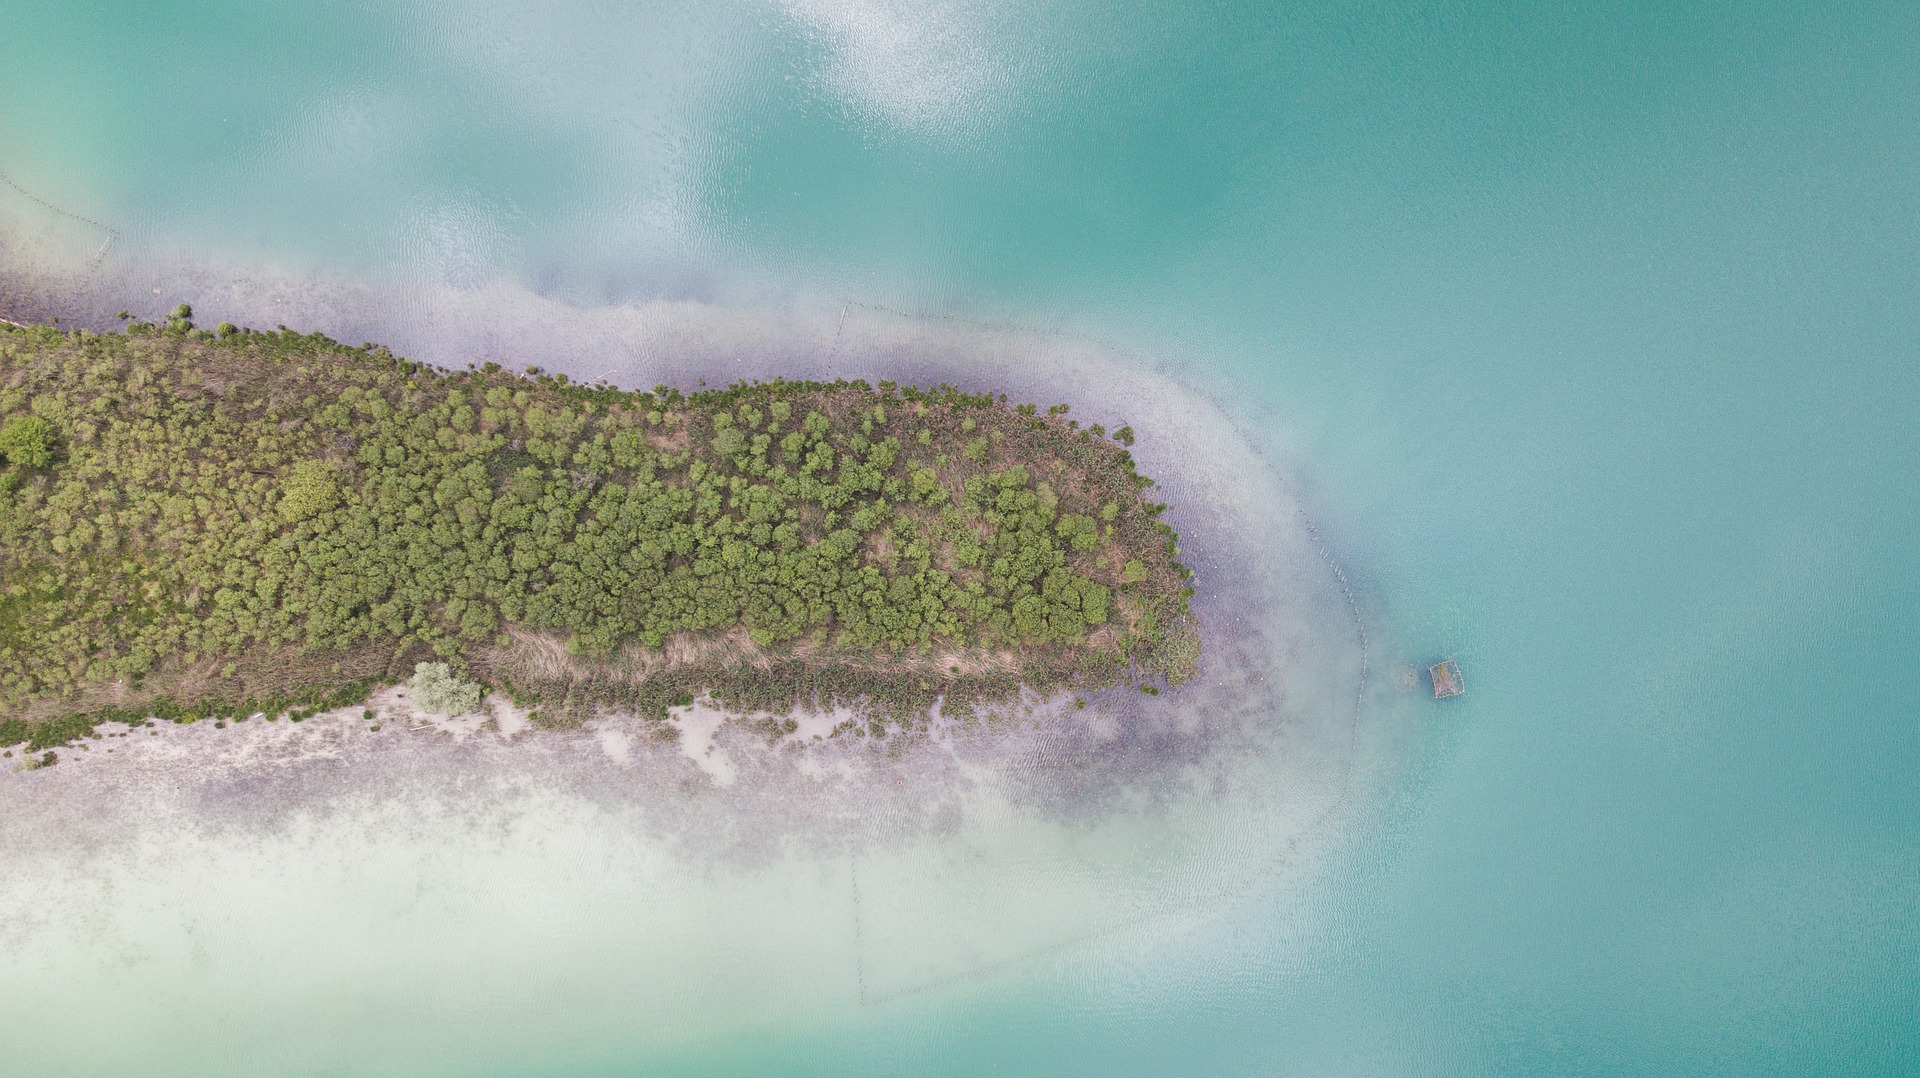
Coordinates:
[218,524]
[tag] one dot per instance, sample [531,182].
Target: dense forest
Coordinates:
[205,523]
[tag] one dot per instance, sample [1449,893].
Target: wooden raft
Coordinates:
[1447,680]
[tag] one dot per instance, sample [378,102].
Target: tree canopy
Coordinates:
[221,518]
[26,441]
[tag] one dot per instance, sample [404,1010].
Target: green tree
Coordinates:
[309,491]
[27,441]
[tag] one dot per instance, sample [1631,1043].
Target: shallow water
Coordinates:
[1585,342]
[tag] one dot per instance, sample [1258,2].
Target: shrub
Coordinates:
[309,490]
[437,690]
[27,441]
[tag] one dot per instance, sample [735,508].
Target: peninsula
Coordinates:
[222,523]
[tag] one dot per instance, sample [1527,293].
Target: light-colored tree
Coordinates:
[437,690]
[309,490]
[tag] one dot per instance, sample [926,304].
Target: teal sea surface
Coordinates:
[1589,335]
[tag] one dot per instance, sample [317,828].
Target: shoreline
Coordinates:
[1233,503]
[1259,750]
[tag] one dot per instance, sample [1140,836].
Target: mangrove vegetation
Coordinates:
[197,523]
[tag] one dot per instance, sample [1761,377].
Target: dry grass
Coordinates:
[544,657]
[264,673]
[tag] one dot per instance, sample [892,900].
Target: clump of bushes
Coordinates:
[26,441]
[437,690]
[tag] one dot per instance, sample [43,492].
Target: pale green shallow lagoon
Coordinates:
[1587,338]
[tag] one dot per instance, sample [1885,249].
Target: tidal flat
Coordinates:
[732,876]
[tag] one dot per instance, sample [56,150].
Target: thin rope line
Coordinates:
[859,940]
[1340,800]
[1245,887]
[93,264]
[983,323]
[1360,628]
[113,233]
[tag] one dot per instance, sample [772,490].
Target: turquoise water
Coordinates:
[1590,336]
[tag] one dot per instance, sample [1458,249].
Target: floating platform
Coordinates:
[1447,679]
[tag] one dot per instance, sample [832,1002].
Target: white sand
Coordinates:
[725,879]
[699,725]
